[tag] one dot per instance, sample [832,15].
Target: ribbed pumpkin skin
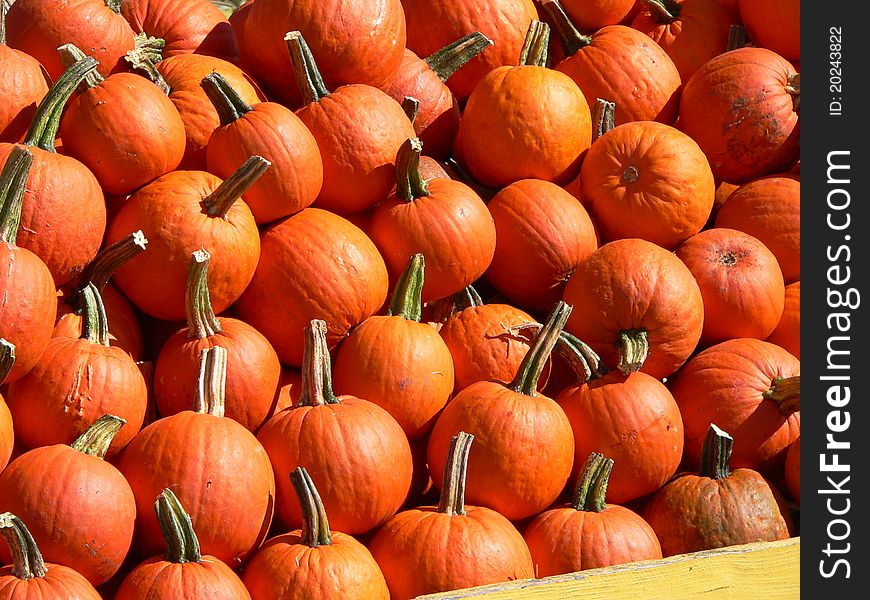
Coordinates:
[286,568]
[220,473]
[590,15]
[422,551]
[737,108]
[788,331]
[79,509]
[26,85]
[724,385]
[157,578]
[61,583]
[565,540]
[7,435]
[603,411]
[312,265]
[432,24]
[774,24]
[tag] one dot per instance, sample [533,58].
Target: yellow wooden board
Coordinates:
[766,571]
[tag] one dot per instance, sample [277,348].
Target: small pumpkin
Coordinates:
[774,24]
[788,331]
[590,15]
[7,434]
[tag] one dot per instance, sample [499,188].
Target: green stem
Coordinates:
[467,298]
[305,69]
[96,439]
[316,368]
[219,202]
[27,561]
[182,545]
[407,301]
[526,380]
[104,265]
[7,358]
[716,453]
[46,121]
[315,525]
[95,326]
[410,184]
[664,11]
[603,116]
[452,499]
[456,172]
[590,495]
[452,57]
[786,392]
[13,182]
[411,106]
[581,358]
[114,5]
[793,87]
[225,99]
[144,57]
[633,347]
[201,320]
[211,382]
[70,54]
[535,45]
[736,38]
[570,37]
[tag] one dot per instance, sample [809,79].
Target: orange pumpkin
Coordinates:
[7,435]
[589,15]
[774,24]
[788,331]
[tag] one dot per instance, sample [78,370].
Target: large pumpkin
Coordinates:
[788,331]
[774,24]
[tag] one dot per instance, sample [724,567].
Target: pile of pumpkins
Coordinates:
[380,298]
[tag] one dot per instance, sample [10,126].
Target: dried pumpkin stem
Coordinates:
[410,184]
[96,439]
[315,524]
[794,88]
[4,8]
[407,301]
[13,181]
[70,54]
[452,500]
[305,70]
[467,298]
[633,347]
[145,56]
[104,265]
[316,368]
[411,106]
[581,358]
[570,37]
[604,117]
[786,392]
[716,453]
[211,382]
[202,323]
[27,561]
[452,57]
[95,326]
[526,380]
[114,5]
[664,11]
[456,172]
[736,37]
[591,490]
[219,202]
[182,545]
[225,99]
[46,121]
[535,45]
[7,358]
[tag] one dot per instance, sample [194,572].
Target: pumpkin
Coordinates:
[690,31]
[75,382]
[7,434]
[769,210]
[397,362]
[313,562]
[179,213]
[525,446]
[314,264]
[270,130]
[215,465]
[442,219]
[542,233]
[637,305]
[590,15]
[788,331]
[793,470]
[185,571]
[63,216]
[425,550]
[432,24]
[27,314]
[30,576]
[357,450]
[80,508]
[753,388]
[525,122]
[742,109]
[589,533]
[740,281]
[253,367]
[717,506]
[647,180]
[289,390]
[620,64]
[774,24]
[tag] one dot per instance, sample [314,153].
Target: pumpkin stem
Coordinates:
[13,180]
[305,70]
[570,37]
[407,301]
[211,383]
[736,38]
[452,57]
[27,561]
[716,453]
[225,99]
[604,117]
[582,359]
[535,46]
[633,346]
[411,106]
[785,391]
[663,11]
[46,121]
[794,88]
[467,298]
[104,265]
[96,439]
[182,545]
[316,367]
[4,8]
[452,500]
[457,173]
[70,54]
[95,326]
[7,358]
[591,491]
[114,5]
[410,184]
[315,525]
[201,320]
[146,53]
[219,202]
[526,380]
